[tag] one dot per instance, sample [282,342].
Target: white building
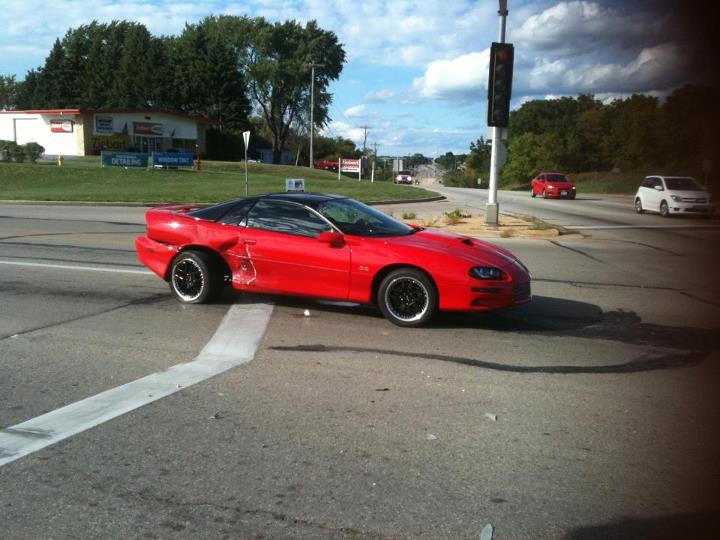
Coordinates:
[76,132]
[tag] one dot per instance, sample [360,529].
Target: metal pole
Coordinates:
[492,210]
[246,172]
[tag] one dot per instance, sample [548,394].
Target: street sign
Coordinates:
[295,185]
[246,139]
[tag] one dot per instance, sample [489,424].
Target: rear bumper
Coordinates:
[155,255]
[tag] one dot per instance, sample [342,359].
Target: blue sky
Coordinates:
[416,73]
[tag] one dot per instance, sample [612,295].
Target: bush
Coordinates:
[6,150]
[33,151]
[17,153]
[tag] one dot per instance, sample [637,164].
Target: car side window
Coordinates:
[658,183]
[288,218]
[647,182]
[237,215]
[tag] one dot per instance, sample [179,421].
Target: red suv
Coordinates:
[550,184]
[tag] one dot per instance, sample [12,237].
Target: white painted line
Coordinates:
[77,267]
[234,343]
[599,227]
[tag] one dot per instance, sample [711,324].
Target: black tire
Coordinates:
[545,194]
[407,297]
[532,193]
[638,206]
[664,210]
[195,278]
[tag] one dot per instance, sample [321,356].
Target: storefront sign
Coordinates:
[104,125]
[61,126]
[172,159]
[124,159]
[147,128]
[117,143]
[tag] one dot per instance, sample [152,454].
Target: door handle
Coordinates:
[249,242]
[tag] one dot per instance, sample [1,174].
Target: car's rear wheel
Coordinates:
[638,206]
[407,297]
[664,210]
[195,278]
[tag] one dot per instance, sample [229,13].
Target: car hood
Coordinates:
[695,194]
[455,245]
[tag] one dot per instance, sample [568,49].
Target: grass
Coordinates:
[84,180]
[456,216]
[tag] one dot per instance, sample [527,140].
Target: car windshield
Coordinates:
[353,217]
[407,173]
[683,184]
[557,178]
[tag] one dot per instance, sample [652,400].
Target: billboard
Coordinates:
[123,159]
[350,165]
[172,159]
[148,128]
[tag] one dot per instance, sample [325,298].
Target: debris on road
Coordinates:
[217,416]
[487,532]
[491,416]
[382,389]
[431,437]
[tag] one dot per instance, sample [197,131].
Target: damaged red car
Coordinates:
[330,247]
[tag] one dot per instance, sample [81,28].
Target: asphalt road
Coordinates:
[590,413]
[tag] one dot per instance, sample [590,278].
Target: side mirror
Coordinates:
[659,188]
[333,238]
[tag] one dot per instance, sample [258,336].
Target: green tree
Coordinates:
[278,75]
[9,88]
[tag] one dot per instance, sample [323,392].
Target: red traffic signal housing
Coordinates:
[500,84]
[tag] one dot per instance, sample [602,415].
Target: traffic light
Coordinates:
[500,84]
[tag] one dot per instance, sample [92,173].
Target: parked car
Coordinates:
[327,246]
[549,184]
[327,165]
[404,177]
[672,195]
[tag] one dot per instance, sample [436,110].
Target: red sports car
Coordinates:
[327,246]
[549,184]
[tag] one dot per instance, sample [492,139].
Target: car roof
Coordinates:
[667,177]
[302,198]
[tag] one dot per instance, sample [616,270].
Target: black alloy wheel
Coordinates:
[407,297]
[194,278]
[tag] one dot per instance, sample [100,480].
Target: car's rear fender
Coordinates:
[217,259]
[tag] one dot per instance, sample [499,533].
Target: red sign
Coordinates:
[61,126]
[147,128]
[351,165]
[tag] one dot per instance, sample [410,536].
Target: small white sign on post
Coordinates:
[295,185]
[246,139]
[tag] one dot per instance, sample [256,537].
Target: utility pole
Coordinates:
[312,106]
[492,209]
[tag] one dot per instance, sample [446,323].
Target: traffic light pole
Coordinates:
[492,209]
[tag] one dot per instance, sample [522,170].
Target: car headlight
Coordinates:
[676,198]
[551,187]
[573,187]
[486,272]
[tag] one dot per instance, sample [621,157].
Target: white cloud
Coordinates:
[357,111]
[581,26]
[380,96]
[658,67]
[461,78]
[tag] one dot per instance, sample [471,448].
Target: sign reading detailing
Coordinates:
[124,159]
[172,159]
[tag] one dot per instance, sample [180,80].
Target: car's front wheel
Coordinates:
[532,193]
[545,195]
[638,206]
[664,210]
[195,278]
[407,297]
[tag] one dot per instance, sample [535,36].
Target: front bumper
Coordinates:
[691,208]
